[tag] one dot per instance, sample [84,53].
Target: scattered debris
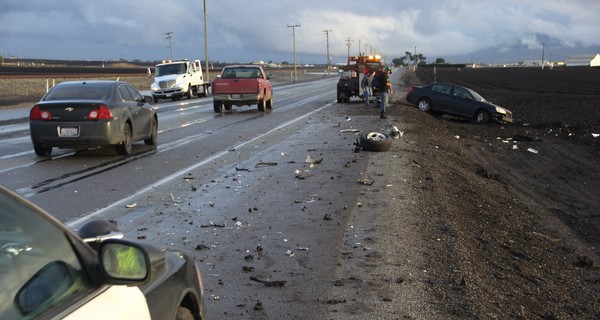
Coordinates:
[349,130]
[327,217]
[259,164]
[290,253]
[258,305]
[248,269]
[241,169]
[175,200]
[303,174]
[532,150]
[268,283]
[366,181]
[310,160]
[212,224]
[336,301]
[129,206]
[202,247]
[393,131]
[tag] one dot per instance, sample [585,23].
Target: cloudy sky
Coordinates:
[489,31]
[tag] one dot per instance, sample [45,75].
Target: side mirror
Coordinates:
[268,76]
[148,99]
[124,262]
[218,76]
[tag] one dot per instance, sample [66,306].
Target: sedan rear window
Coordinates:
[82,92]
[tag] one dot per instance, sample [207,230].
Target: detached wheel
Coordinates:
[375,141]
[217,106]
[42,151]
[152,140]
[184,314]
[126,146]
[481,116]
[424,104]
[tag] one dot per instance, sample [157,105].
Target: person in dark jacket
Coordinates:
[385,88]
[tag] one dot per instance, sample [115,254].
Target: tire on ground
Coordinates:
[375,141]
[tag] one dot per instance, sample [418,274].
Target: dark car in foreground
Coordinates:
[457,101]
[91,114]
[48,271]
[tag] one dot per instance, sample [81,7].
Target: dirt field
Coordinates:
[512,212]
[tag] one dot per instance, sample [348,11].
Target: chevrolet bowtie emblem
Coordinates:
[69,109]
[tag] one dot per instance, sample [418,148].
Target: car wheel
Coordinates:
[424,104]
[481,116]
[155,98]
[228,106]
[189,93]
[262,105]
[42,151]
[270,103]
[184,314]
[217,106]
[126,146]
[152,140]
[375,141]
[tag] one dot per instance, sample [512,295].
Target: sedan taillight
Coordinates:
[38,114]
[101,113]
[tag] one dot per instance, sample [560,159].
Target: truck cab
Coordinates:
[176,79]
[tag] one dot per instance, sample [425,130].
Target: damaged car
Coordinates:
[450,99]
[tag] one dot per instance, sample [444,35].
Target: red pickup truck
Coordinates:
[242,85]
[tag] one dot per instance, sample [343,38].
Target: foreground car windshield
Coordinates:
[79,92]
[38,267]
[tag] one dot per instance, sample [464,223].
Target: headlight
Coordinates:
[154,87]
[500,110]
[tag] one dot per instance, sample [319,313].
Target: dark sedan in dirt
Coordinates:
[48,271]
[90,114]
[457,101]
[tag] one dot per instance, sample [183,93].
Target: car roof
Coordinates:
[96,83]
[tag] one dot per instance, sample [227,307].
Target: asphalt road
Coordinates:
[191,136]
[272,197]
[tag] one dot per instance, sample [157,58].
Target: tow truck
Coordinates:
[349,84]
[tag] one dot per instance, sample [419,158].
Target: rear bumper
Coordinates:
[246,98]
[91,134]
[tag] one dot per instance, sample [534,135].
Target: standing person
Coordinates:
[385,87]
[367,85]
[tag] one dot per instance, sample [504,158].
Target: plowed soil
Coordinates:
[510,212]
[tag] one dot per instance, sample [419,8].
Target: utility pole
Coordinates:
[349,43]
[294,26]
[206,45]
[328,59]
[543,47]
[169,36]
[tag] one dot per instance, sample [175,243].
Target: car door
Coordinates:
[463,103]
[133,110]
[441,97]
[115,303]
[144,113]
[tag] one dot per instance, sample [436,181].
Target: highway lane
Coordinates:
[73,185]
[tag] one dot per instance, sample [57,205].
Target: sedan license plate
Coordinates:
[236,96]
[69,131]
